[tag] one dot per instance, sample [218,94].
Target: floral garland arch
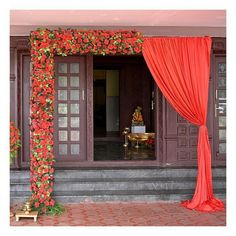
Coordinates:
[45,44]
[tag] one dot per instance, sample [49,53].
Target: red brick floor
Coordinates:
[126,214]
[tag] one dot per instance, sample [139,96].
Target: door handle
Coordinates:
[152,105]
[83,94]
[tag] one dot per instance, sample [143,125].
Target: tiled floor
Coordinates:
[114,151]
[127,214]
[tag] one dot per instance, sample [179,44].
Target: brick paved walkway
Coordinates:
[127,214]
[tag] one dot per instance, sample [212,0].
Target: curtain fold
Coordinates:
[181,66]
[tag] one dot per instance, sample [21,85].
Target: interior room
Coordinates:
[114,108]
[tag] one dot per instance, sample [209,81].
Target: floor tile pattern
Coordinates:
[126,214]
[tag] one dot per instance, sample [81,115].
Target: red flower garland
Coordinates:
[44,44]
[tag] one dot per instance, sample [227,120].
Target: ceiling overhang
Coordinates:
[149,22]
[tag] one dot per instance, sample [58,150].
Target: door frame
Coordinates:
[22,161]
[90,134]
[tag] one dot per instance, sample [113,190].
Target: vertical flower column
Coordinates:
[42,105]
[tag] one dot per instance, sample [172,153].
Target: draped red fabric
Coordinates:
[181,66]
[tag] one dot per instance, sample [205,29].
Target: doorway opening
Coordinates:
[120,85]
[106,104]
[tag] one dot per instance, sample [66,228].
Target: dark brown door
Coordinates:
[220,109]
[25,86]
[70,111]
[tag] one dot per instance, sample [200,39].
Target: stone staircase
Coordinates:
[140,184]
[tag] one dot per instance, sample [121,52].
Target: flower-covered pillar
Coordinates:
[45,44]
[42,105]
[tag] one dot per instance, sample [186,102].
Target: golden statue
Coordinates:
[137,116]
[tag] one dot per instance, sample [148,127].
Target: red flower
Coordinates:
[106,42]
[52,202]
[136,49]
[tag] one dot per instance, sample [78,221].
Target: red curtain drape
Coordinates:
[181,66]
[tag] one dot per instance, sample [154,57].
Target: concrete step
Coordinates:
[121,184]
[109,195]
[122,173]
[127,198]
[151,195]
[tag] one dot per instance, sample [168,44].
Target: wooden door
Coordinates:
[180,137]
[220,109]
[24,104]
[70,111]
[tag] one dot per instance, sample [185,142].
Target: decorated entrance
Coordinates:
[45,44]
